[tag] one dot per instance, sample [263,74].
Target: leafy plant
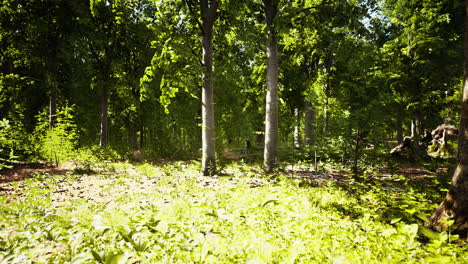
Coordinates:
[57,143]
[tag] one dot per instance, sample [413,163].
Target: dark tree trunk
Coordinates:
[142,135]
[271,117]
[309,123]
[104,137]
[134,138]
[455,205]
[208,14]
[399,130]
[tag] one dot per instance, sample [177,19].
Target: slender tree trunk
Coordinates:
[53,104]
[297,132]
[104,137]
[399,130]
[134,137]
[415,128]
[325,110]
[455,205]
[326,91]
[271,118]
[208,13]
[52,73]
[142,134]
[309,124]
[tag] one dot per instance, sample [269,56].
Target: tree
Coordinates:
[208,15]
[271,116]
[452,213]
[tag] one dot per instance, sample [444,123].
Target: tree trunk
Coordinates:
[53,104]
[208,14]
[399,130]
[326,91]
[415,128]
[309,124]
[52,72]
[297,132]
[142,134]
[134,138]
[271,117]
[325,111]
[104,137]
[455,205]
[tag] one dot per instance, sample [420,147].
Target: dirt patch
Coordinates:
[25,171]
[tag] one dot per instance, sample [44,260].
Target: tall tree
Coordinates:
[455,206]
[208,14]
[271,117]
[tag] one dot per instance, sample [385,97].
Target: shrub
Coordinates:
[58,143]
[7,143]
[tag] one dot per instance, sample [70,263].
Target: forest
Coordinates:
[233,131]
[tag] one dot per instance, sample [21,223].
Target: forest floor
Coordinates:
[166,212]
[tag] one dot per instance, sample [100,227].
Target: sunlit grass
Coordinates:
[170,214]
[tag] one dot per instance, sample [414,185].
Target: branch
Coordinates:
[189,4]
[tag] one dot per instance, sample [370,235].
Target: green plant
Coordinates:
[7,144]
[57,143]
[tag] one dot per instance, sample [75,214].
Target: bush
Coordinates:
[58,143]
[7,143]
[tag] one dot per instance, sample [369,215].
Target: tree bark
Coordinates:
[309,124]
[271,117]
[142,134]
[104,137]
[52,72]
[415,128]
[325,111]
[455,205]
[297,132]
[399,130]
[326,91]
[53,103]
[134,137]
[208,13]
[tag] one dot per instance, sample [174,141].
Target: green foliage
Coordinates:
[58,143]
[7,144]
[181,217]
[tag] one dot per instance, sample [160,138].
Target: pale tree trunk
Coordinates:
[52,72]
[326,91]
[104,136]
[325,113]
[309,124]
[297,132]
[271,117]
[455,205]
[208,13]
[53,104]
[415,128]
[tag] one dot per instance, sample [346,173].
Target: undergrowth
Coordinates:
[169,214]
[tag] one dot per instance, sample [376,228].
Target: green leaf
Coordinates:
[97,256]
[117,259]
[268,202]
[429,233]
